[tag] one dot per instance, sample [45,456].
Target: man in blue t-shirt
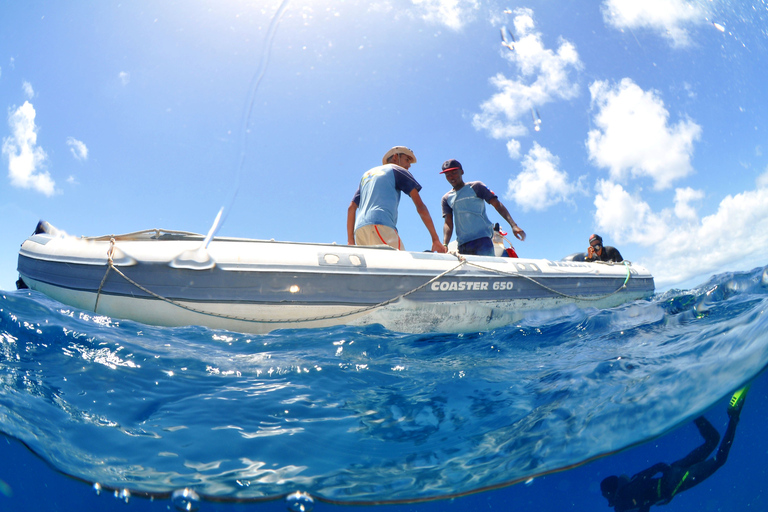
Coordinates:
[372,214]
[464,207]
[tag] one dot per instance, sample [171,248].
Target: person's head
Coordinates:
[399,155]
[610,486]
[453,173]
[596,242]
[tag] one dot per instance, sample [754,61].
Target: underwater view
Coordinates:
[642,124]
[181,417]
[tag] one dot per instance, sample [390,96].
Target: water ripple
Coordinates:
[364,414]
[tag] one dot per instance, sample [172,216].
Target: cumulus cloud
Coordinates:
[26,160]
[681,251]
[762,180]
[124,77]
[541,183]
[683,208]
[454,14]
[543,76]
[633,135]
[78,148]
[741,219]
[626,217]
[513,149]
[29,92]
[670,18]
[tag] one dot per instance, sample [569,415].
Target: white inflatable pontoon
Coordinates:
[171,278]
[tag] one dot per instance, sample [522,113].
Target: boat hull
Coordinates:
[167,278]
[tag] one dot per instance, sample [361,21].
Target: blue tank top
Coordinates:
[469,218]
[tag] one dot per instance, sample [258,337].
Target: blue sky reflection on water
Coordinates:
[650,117]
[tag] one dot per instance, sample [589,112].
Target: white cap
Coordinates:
[396,151]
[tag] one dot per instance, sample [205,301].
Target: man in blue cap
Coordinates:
[464,208]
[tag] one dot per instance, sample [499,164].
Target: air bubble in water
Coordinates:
[299,501]
[185,500]
[97,488]
[123,494]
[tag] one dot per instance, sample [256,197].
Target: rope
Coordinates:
[111,266]
[575,297]
[462,261]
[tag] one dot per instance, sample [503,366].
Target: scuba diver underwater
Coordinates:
[660,483]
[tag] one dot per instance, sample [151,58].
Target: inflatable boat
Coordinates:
[174,278]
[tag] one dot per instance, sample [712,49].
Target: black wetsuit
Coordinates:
[645,488]
[608,254]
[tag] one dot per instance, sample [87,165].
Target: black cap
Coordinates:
[595,237]
[450,165]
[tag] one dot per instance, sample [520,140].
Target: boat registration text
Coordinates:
[475,286]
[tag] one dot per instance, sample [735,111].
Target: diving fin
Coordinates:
[737,401]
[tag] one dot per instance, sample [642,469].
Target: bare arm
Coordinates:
[437,246]
[448,229]
[351,213]
[519,233]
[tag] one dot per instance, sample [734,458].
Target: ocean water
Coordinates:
[105,414]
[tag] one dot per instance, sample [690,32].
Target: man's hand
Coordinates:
[437,246]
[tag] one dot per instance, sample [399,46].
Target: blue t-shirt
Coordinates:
[378,195]
[467,205]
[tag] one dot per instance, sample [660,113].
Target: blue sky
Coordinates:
[642,121]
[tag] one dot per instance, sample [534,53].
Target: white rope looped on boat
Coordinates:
[575,297]
[462,261]
[111,266]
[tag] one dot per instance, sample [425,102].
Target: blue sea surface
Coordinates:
[98,412]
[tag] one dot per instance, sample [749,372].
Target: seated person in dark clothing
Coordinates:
[598,252]
[644,489]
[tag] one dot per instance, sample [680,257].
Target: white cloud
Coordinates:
[626,218]
[513,149]
[78,148]
[29,92]
[543,77]
[124,77]
[25,158]
[733,237]
[683,209]
[762,180]
[541,184]
[454,14]
[633,135]
[670,18]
